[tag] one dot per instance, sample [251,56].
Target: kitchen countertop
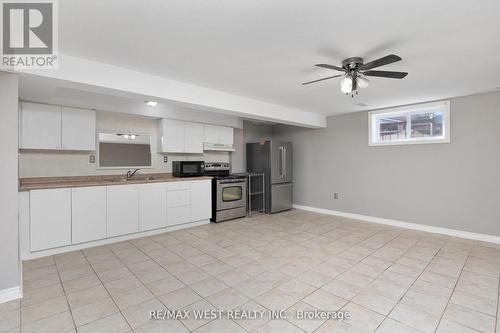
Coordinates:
[42,183]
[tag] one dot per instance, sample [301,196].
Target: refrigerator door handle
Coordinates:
[284,162]
[281,161]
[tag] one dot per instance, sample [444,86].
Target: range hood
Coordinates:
[218,147]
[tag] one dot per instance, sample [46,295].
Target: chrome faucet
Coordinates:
[131,174]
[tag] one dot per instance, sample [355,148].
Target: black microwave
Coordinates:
[188,168]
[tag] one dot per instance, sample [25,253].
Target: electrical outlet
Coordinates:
[92,159]
[165,159]
[335,195]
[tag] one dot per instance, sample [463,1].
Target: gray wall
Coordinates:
[254,132]
[9,253]
[455,185]
[251,132]
[237,155]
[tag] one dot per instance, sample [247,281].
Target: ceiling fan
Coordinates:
[355,71]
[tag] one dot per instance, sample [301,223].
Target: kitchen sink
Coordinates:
[124,180]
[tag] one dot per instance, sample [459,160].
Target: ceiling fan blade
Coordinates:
[330,67]
[388,74]
[380,62]
[326,78]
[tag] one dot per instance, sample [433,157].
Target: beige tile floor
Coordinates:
[389,279]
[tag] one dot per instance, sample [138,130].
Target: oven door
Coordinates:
[231,193]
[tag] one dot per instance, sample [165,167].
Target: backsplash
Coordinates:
[52,164]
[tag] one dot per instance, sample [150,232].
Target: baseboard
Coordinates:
[10,294]
[406,225]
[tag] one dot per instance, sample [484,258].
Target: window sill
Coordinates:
[408,142]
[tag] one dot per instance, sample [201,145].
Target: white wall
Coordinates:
[48,164]
[9,253]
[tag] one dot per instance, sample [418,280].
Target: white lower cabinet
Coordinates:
[50,218]
[122,210]
[152,206]
[201,199]
[88,214]
[54,218]
[178,203]
[189,201]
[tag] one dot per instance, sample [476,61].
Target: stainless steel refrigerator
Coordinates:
[274,159]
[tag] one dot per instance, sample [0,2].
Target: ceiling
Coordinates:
[265,49]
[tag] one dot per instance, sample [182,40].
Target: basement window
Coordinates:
[414,124]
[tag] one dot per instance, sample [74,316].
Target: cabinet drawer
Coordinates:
[178,215]
[180,185]
[178,198]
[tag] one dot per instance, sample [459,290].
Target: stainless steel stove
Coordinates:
[229,192]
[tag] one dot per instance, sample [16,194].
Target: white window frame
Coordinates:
[373,134]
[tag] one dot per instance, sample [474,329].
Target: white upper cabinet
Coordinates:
[54,127]
[177,136]
[218,138]
[40,126]
[193,138]
[226,135]
[78,129]
[211,134]
[171,136]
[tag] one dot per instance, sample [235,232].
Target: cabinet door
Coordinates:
[88,214]
[152,206]
[78,129]
[40,126]
[178,215]
[50,218]
[193,138]
[122,210]
[211,134]
[201,200]
[172,136]
[226,135]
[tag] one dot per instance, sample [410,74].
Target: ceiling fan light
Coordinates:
[363,82]
[346,85]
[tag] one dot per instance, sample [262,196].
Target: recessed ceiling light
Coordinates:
[151,103]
